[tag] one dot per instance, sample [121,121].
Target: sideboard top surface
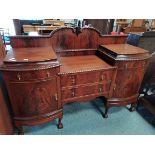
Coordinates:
[124,49]
[82,64]
[34,54]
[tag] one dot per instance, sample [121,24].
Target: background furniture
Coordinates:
[46,25]
[104,26]
[122,23]
[40,29]
[18,24]
[137,25]
[53,22]
[143,40]
[32,70]
[2,49]
[4,33]
[153,24]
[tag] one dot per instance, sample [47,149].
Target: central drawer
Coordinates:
[73,79]
[100,89]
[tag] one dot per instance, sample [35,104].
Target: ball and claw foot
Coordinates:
[132,108]
[105,115]
[60,125]
[20,131]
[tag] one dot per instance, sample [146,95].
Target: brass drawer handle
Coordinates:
[18,76]
[73,81]
[56,97]
[73,93]
[114,87]
[48,74]
[100,89]
[102,77]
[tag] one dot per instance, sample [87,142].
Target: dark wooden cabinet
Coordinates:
[34,91]
[44,73]
[131,64]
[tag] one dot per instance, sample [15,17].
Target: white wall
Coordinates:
[8,24]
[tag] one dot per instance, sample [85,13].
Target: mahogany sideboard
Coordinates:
[43,73]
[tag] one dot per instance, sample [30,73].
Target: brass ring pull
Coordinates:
[114,87]
[100,89]
[73,93]
[73,81]
[18,76]
[102,77]
[48,74]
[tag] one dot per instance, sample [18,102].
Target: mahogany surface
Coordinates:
[34,54]
[6,123]
[82,64]
[86,65]
[124,49]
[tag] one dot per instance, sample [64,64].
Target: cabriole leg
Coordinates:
[60,125]
[132,107]
[106,111]
[20,130]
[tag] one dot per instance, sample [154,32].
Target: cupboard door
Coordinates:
[33,98]
[128,82]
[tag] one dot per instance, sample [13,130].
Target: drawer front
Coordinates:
[85,78]
[81,91]
[32,75]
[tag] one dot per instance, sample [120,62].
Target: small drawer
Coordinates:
[85,78]
[32,75]
[82,91]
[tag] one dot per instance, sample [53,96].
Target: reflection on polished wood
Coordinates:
[125,49]
[83,63]
[34,54]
